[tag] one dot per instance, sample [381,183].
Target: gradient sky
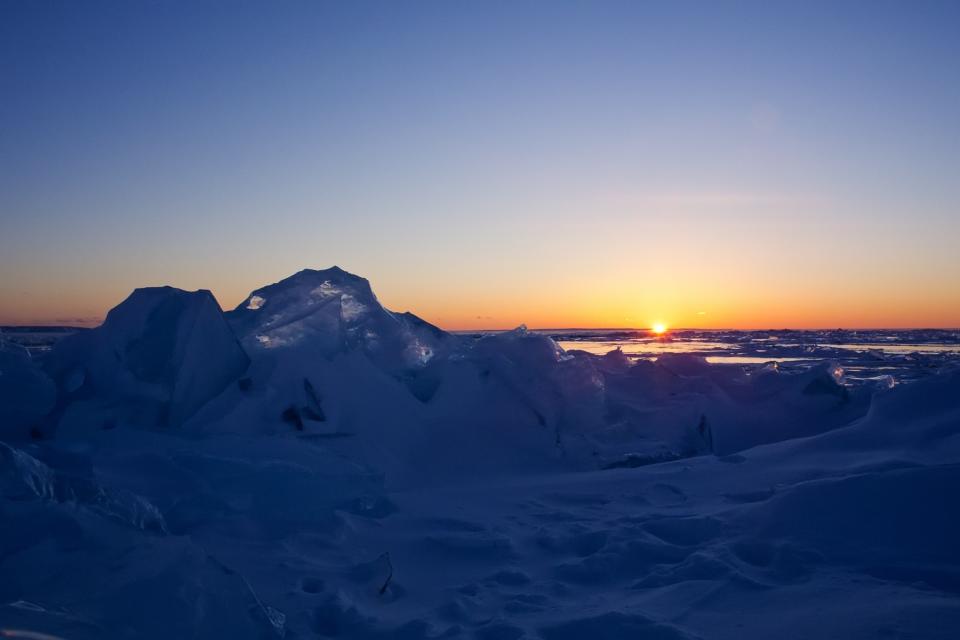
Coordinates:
[710,164]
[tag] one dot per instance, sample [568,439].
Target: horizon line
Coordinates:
[54,325]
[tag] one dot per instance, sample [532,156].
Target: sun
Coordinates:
[658,328]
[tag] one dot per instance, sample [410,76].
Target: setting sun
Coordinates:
[658,328]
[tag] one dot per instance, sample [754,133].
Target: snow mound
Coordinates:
[507,401]
[24,477]
[158,357]
[70,573]
[681,405]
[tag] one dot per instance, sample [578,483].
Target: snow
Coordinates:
[329,468]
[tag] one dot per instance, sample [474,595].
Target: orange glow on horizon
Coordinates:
[658,328]
[622,299]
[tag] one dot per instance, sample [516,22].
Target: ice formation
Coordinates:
[26,393]
[324,312]
[158,357]
[312,464]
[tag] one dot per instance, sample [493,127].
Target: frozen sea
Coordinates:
[864,355]
[313,465]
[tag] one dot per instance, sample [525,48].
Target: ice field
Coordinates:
[313,465]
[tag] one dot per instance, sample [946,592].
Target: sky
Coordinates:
[485,164]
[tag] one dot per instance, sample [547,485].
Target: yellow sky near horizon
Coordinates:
[572,302]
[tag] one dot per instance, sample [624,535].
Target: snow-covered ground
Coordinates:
[312,465]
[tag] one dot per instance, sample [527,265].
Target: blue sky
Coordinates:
[485,164]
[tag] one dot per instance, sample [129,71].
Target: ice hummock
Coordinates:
[329,362]
[157,358]
[324,312]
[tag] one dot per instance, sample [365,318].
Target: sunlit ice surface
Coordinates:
[905,355]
